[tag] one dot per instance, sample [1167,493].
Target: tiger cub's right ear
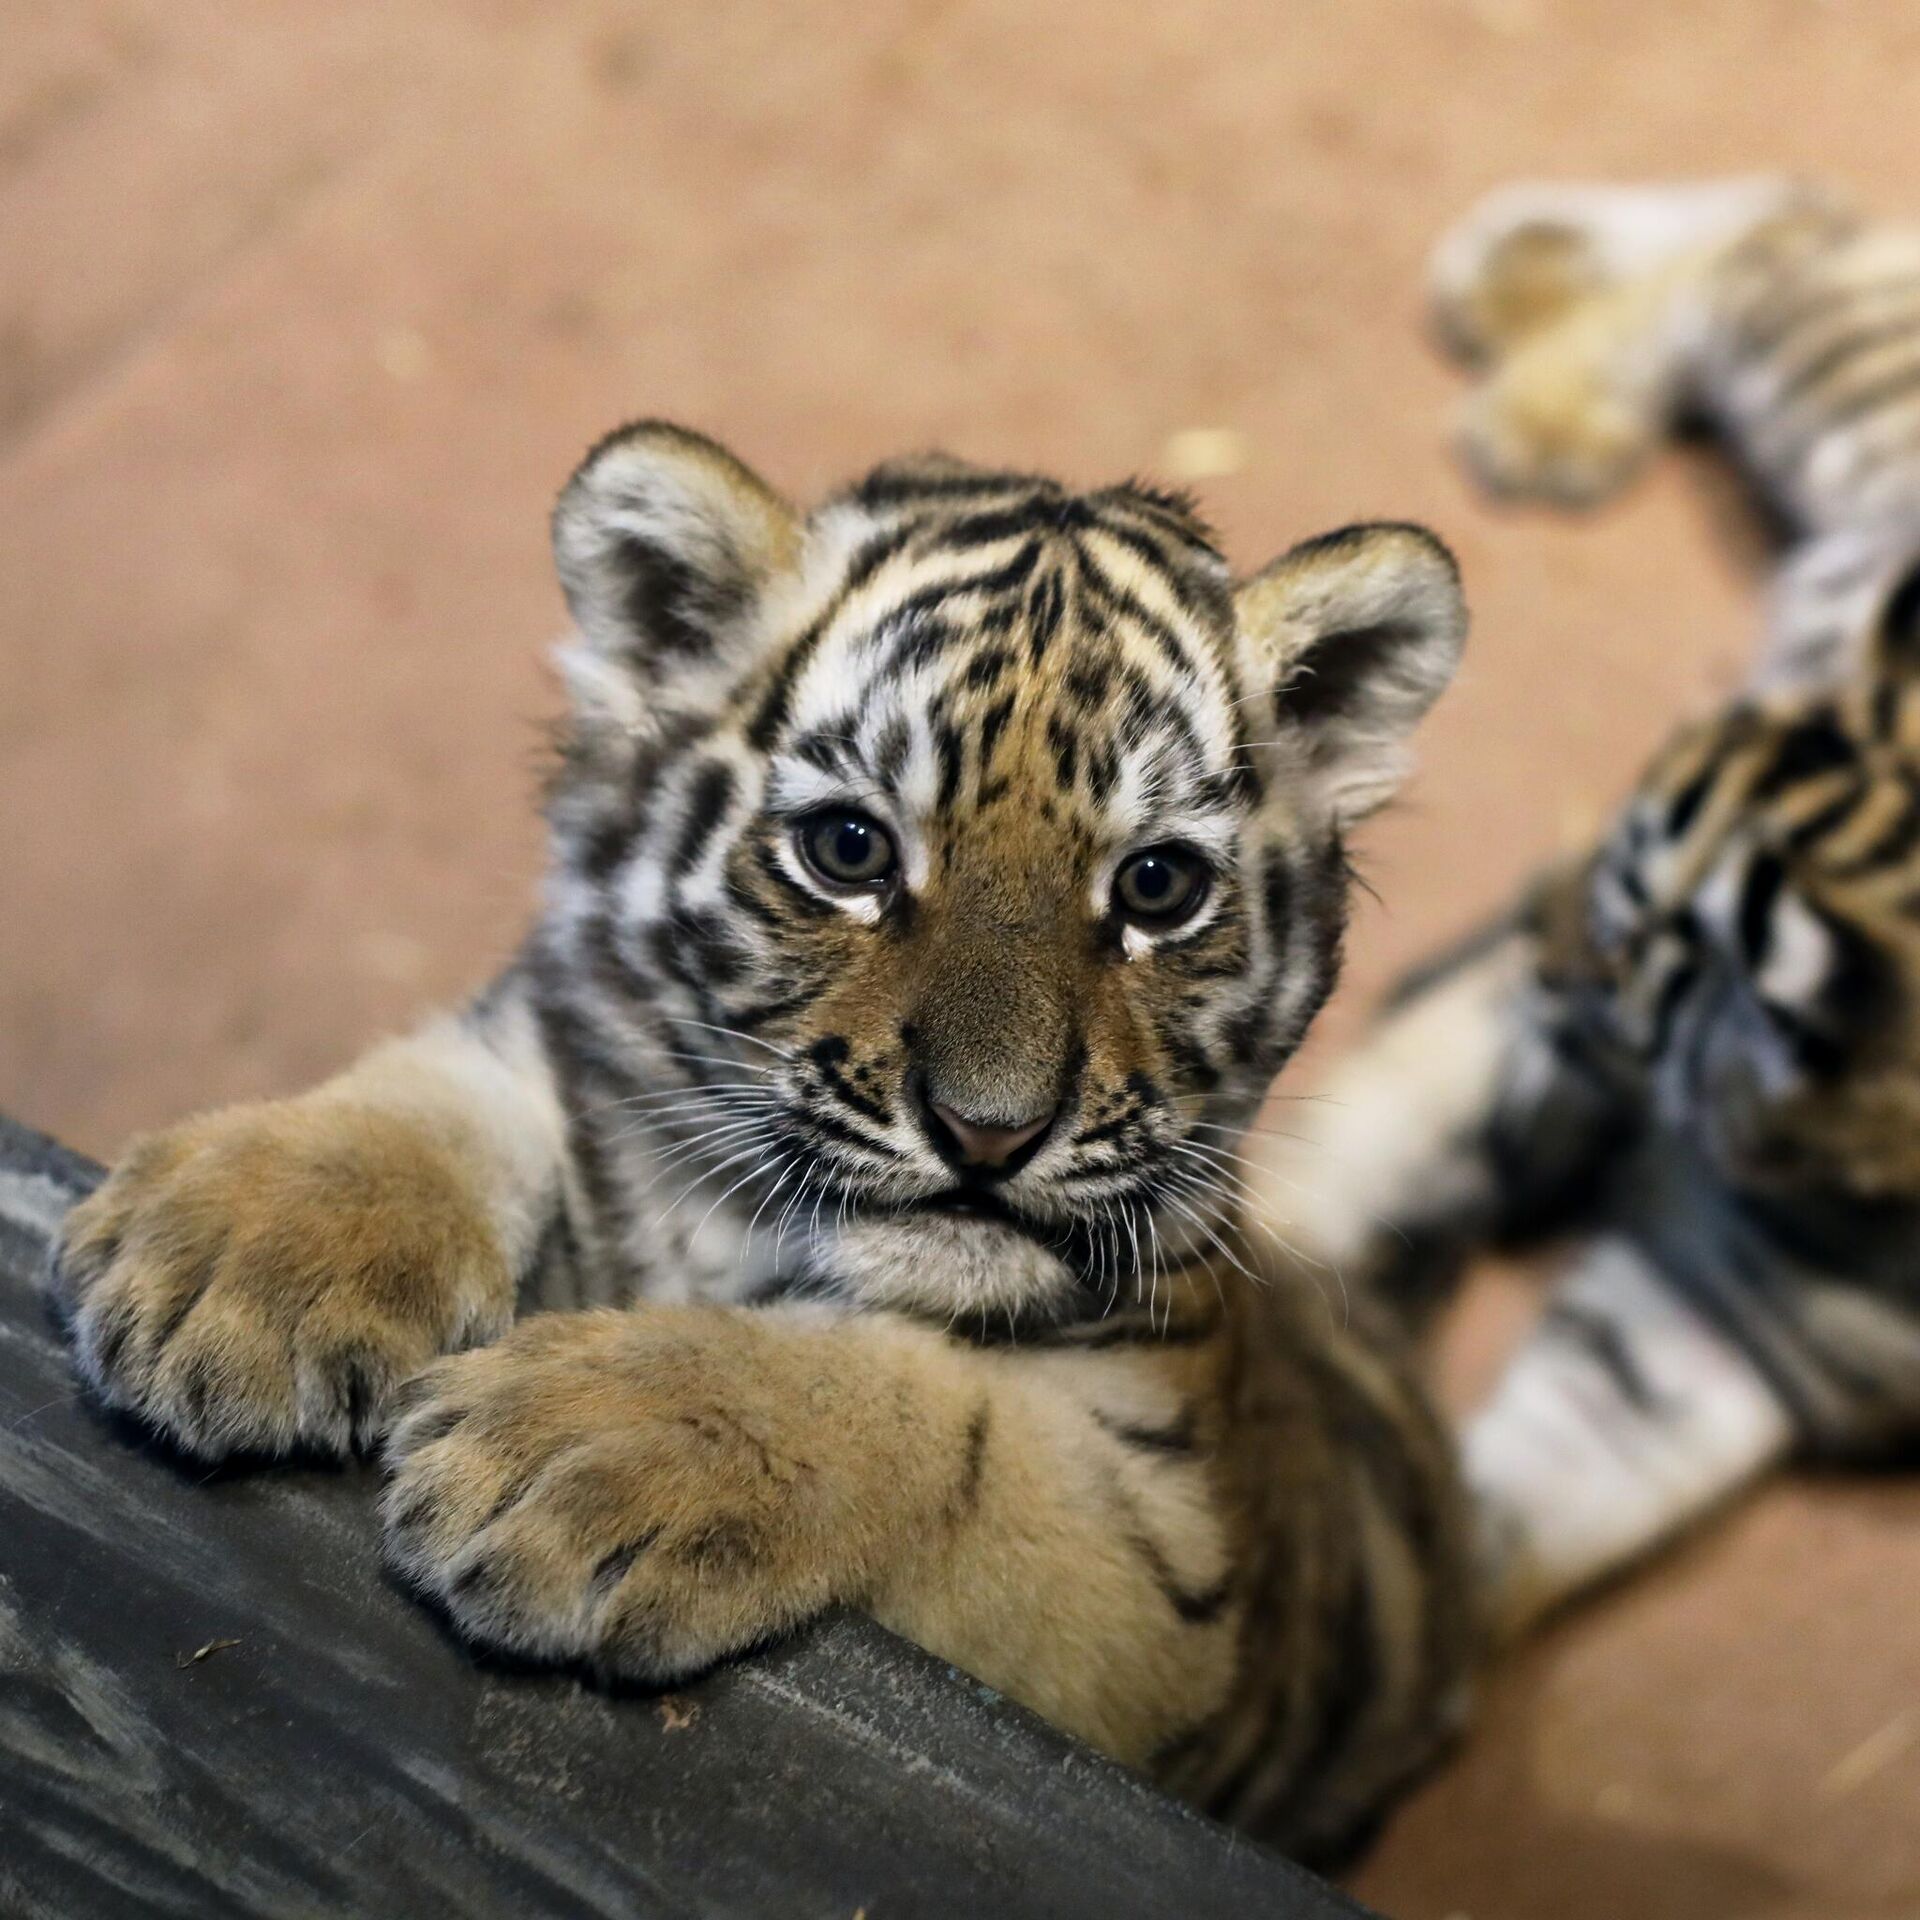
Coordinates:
[1358,633]
[665,544]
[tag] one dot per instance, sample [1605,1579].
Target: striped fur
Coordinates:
[1601,319]
[857,1087]
[1696,1049]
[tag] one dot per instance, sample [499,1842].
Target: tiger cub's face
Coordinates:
[1754,937]
[970,849]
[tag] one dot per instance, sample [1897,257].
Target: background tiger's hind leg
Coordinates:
[1379,1178]
[1826,609]
[1584,306]
[1622,1420]
[1523,255]
[1573,410]
[1454,1123]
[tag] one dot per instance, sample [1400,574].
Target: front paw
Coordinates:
[611,1488]
[260,1280]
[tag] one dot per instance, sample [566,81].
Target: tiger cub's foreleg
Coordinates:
[653,1489]
[1623,1419]
[261,1278]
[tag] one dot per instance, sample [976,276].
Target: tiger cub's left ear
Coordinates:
[665,544]
[1358,633]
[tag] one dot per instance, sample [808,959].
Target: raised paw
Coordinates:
[260,1280]
[611,1488]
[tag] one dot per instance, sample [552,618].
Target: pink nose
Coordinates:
[987,1146]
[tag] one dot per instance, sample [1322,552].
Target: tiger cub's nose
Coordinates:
[975,1144]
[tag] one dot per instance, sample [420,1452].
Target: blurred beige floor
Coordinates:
[304,312]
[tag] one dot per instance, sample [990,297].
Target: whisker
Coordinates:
[674,1091]
[673,1136]
[1221,1159]
[798,1195]
[706,1089]
[785,1172]
[706,1173]
[732,1033]
[1213,1147]
[1305,1263]
[672,1122]
[1180,1207]
[699,1146]
[1153,1286]
[1265,1133]
[1110,1252]
[718,1060]
[673,1116]
[760,1166]
[1267,1173]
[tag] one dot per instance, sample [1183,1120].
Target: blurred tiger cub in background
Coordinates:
[1696,1049]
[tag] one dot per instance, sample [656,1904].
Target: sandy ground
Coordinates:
[304,313]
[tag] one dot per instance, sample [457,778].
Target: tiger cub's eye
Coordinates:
[846,848]
[1161,886]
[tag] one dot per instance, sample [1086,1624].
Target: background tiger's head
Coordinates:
[1752,930]
[969,850]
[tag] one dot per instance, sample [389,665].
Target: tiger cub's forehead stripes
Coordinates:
[1014,643]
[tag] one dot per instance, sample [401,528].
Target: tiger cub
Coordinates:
[937,881]
[1696,1049]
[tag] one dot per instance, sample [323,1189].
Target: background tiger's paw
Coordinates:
[260,1280]
[1539,442]
[588,1490]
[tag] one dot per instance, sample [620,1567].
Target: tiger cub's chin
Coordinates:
[955,1266]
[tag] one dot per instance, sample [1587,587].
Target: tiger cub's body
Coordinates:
[938,879]
[1694,1050]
